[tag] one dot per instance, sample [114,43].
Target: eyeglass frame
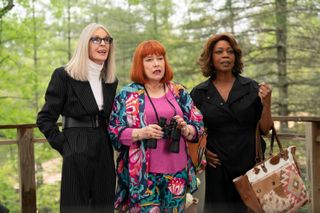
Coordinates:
[107,40]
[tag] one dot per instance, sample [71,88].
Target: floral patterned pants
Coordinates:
[165,193]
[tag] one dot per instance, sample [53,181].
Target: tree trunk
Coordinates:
[154,11]
[35,58]
[231,15]
[96,16]
[69,31]
[281,33]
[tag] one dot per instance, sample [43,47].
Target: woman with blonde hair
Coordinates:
[82,92]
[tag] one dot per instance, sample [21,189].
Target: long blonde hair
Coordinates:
[77,67]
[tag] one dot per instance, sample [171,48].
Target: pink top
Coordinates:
[161,159]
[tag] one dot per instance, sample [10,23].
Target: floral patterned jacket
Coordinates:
[133,161]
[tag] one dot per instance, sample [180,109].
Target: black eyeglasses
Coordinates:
[98,40]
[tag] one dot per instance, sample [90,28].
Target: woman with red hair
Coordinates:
[150,122]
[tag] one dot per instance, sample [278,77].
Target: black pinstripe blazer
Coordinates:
[69,97]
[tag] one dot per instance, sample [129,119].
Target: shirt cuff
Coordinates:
[126,137]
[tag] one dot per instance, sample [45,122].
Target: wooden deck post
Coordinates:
[27,170]
[313,156]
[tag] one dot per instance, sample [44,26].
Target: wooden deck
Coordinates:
[25,143]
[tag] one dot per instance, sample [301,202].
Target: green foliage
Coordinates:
[9,191]
[48,198]
[32,45]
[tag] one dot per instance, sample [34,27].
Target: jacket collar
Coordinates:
[85,95]
[206,84]
[239,89]
[108,92]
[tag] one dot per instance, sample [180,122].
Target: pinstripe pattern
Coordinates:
[87,178]
[88,173]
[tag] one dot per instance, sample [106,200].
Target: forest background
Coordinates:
[279,39]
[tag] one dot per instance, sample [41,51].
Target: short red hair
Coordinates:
[144,49]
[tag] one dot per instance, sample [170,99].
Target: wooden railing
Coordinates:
[27,183]
[25,142]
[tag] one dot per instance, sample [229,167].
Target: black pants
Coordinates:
[88,182]
[3,209]
[221,195]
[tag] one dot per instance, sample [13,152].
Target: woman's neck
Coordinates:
[224,84]
[224,78]
[155,89]
[153,86]
[93,66]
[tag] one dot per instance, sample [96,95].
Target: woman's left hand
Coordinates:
[265,94]
[185,130]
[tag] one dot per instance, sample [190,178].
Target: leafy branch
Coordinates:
[7,8]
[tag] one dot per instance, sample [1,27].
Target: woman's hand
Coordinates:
[186,130]
[153,131]
[265,94]
[212,159]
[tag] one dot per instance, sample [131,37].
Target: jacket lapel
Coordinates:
[239,89]
[85,95]
[108,91]
[215,98]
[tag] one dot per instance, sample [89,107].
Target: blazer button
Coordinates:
[221,103]
[208,97]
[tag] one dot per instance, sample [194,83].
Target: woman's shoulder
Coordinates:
[59,73]
[177,89]
[202,85]
[176,85]
[246,80]
[200,88]
[114,83]
[132,87]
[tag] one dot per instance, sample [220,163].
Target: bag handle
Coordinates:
[274,136]
[259,154]
[202,144]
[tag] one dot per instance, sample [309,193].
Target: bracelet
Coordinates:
[135,136]
[189,133]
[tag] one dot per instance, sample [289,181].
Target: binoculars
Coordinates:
[171,132]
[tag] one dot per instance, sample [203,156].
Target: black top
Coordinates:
[231,125]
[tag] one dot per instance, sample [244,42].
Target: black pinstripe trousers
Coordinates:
[88,180]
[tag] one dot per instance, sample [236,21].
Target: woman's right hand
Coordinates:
[152,131]
[212,159]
